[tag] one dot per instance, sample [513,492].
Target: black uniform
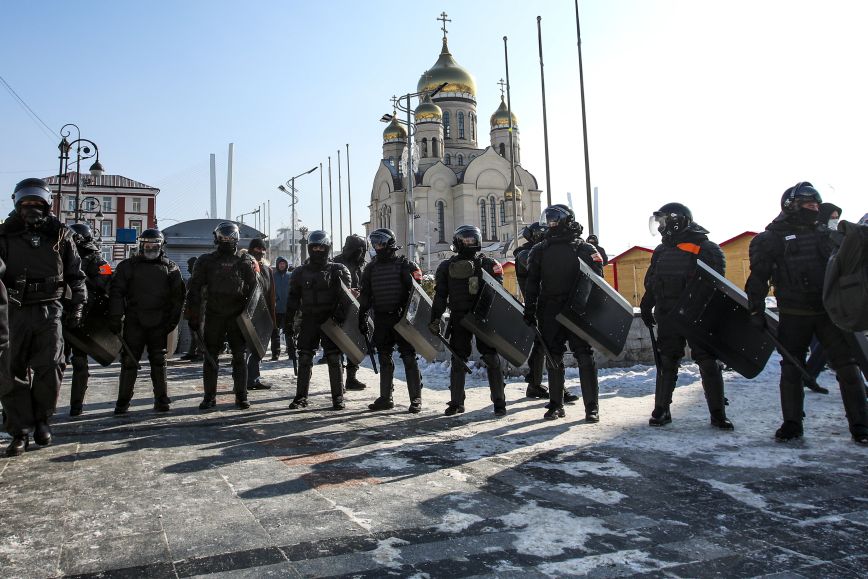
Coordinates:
[98,275]
[455,292]
[314,291]
[536,361]
[40,263]
[386,285]
[228,281]
[793,256]
[149,294]
[265,278]
[672,266]
[5,376]
[553,270]
[354,260]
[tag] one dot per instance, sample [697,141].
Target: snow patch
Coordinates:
[593,493]
[456,474]
[387,552]
[611,467]
[635,561]
[739,492]
[387,461]
[456,521]
[548,532]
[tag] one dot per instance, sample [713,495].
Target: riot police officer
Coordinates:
[533,234]
[792,254]
[265,278]
[314,290]
[98,275]
[595,241]
[146,298]
[553,271]
[387,283]
[353,256]
[41,261]
[457,283]
[673,263]
[228,280]
[194,353]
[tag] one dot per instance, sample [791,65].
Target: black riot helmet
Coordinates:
[557,216]
[534,232]
[670,219]
[28,191]
[81,233]
[151,242]
[467,241]
[226,237]
[800,193]
[383,241]
[318,245]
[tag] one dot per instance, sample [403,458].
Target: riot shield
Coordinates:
[598,314]
[498,320]
[93,336]
[712,312]
[413,325]
[256,323]
[346,336]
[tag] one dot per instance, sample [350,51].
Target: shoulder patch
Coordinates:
[105,269]
[597,257]
[417,274]
[496,268]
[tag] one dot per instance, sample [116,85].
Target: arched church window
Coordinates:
[502,213]
[460,124]
[435,148]
[446,132]
[441,222]
[502,150]
[493,205]
[392,161]
[447,160]
[424,148]
[472,126]
[460,160]
[482,220]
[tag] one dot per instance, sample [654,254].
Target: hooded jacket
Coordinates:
[281,285]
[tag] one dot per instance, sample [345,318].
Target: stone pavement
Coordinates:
[316,493]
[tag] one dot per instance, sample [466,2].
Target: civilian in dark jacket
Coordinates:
[281,295]
[266,284]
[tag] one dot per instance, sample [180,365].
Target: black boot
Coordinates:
[535,365]
[712,384]
[851,384]
[18,445]
[387,373]
[660,417]
[162,402]
[352,382]
[788,431]
[495,383]
[792,403]
[414,382]
[667,376]
[42,433]
[336,381]
[590,387]
[302,384]
[556,390]
[456,388]
[80,375]
[553,413]
[126,386]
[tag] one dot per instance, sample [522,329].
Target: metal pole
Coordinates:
[60,174]
[411,176]
[542,77]
[292,225]
[321,198]
[78,183]
[349,191]
[511,149]
[591,228]
[340,203]
[331,208]
[268,221]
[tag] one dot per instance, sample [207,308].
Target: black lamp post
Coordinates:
[290,190]
[84,149]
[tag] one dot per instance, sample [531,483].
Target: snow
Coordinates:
[578,468]
[387,552]
[599,495]
[548,532]
[739,492]
[456,521]
[632,560]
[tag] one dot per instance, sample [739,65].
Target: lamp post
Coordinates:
[294,199]
[92,202]
[240,218]
[84,149]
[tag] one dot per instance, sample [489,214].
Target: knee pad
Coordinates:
[385,359]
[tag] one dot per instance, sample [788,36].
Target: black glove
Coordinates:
[116,324]
[530,317]
[434,327]
[648,316]
[73,315]
[758,320]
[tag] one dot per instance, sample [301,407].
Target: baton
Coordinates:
[370,352]
[654,346]
[205,353]
[545,348]
[294,359]
[455,356]
[810,380]
[128,351]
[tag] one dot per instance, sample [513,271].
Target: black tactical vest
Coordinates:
[672,269]
[464,283]
[34,267]
[319,287]
[388,293]
[559,267]
[149,287]
[800,268]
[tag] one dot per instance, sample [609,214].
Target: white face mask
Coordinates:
[833,224]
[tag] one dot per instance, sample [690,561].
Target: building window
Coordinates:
[70,203]
[435,148]
[441,221]
[137,205]
[472,126]
[460,160]
[386,216]
[502,213]
[106,228]
[137,225]
[106,253]
[448,159]
[424,148]
[502,150]
[482,219]
[392,161]
[493,205]
[447,133]
[460,124]
[107,204]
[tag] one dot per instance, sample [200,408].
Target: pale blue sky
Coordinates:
[720,105]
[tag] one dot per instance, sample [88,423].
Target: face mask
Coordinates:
[151,253]
[318,257]
[32,216]
[385,252]
[467,252]
[226,247]
[806,216]
[833,224]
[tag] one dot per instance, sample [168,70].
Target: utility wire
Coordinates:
[29,110]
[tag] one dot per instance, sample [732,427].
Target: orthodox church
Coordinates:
[455,181]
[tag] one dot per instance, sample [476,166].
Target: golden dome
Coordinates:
[500,118]
[457,79]
[394,132]
[510,190]
[428,112]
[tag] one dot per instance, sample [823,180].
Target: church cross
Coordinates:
[394,100]
[444,20]
[502,84]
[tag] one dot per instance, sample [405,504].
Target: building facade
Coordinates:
[456,180]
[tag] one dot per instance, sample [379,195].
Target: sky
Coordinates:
[718,105]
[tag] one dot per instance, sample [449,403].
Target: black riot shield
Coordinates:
[346,336]
[713,313]
[93,336]
[498,320]
[413,325]
[256,323]
[598,314]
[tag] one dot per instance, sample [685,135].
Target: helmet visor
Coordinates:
[467,240]
[553,216]
[151,249]
[379,240]
[657,223]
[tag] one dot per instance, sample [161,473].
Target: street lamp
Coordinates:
[291,191]
[411,172]
[240,218]
[84,149]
